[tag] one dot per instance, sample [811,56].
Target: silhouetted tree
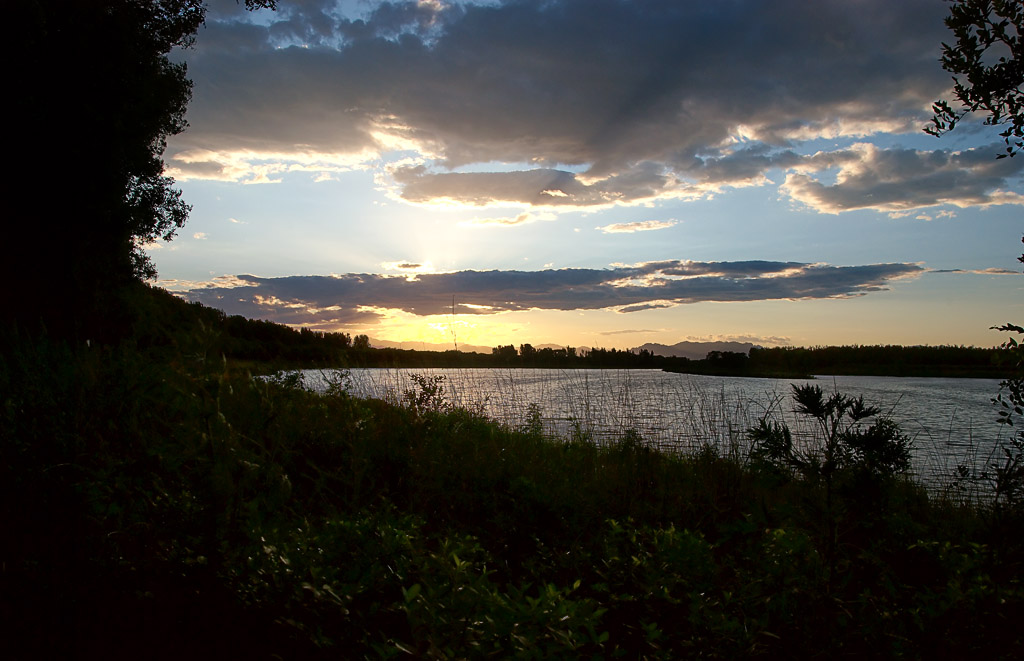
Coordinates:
[987,68]
[360,342]
[506,354]
[987,63]
[92,99]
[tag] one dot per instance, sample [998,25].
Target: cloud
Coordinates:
[627,288]
[896,180]
[540,187]
[630,331]
[199,236]
[252,166]
[408,267]
[645,306]
[596,102]
[524,218]
[989,271]
[638,226]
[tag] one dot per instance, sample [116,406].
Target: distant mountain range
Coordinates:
[693,350]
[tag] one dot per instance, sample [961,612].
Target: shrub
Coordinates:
[841,442]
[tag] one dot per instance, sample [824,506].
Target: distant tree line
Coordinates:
[164,321]
[195,329]
[877,360]
[550,357]
[887,360]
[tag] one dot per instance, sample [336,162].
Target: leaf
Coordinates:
[411,593]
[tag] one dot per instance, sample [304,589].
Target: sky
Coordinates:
[592,173]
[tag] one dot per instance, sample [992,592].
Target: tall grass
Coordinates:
[674,414]
[604,404]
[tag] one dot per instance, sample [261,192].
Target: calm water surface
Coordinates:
[952,421]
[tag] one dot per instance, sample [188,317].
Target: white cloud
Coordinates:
[638,226]
[259,167]
[524,218]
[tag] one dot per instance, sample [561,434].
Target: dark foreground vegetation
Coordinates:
[158,503]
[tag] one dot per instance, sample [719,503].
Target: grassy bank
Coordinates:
[161,505]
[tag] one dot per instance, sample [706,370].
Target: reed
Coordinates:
[675,414]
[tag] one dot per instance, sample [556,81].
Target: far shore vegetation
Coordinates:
[264,345]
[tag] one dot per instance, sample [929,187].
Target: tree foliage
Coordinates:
[987,68]
[94,98]
[987,61]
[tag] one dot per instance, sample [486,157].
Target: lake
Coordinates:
[951,421]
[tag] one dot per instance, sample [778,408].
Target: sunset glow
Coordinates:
[655,173]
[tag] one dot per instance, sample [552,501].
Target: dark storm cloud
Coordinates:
[605,100]
[358,297]
[531,187]
[248,302]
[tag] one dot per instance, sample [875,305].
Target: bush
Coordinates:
[841,443]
